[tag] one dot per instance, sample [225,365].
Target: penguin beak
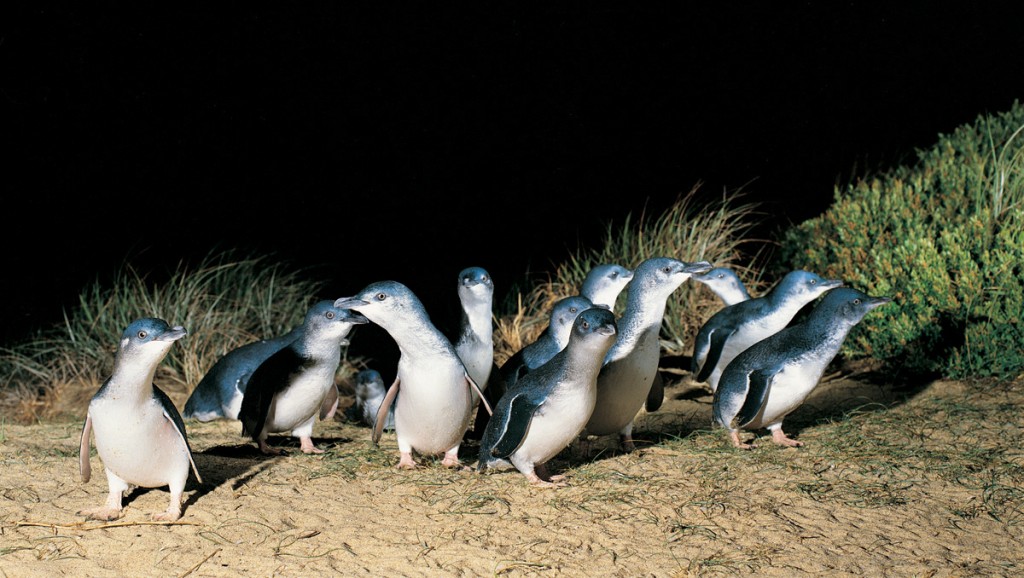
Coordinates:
[872,302]
[696,268]
[173,334]
[349,303]
[356,318]
[832,283]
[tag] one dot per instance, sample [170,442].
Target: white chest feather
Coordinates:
[434,404]
[137,442]
[789,388]
[300,401]
[557,423]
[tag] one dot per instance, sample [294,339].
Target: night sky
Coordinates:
[408,143]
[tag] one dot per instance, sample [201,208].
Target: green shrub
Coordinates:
[945,239]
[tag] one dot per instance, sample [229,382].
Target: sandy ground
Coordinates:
[851,502]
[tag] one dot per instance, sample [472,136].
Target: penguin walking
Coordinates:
[632,363]
[219,393]
[725,283]
[287,391]
[736,327]
[553,339]
[435,406]
[773,377]
[140,436]
[546,409]
[603,284]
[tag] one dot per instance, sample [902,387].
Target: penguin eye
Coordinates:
[381,296]
[666,269]
[143,334]
[585,325]
[814,282]
[329,315]
[856,301]
[573,310]
[483,278]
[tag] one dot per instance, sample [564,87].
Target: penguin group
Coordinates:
[589,374]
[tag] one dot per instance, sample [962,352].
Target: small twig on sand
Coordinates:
[82,525]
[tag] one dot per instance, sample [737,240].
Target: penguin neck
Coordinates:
[642,316]
[319,349]
[476,322]
[422,340]
[131,381]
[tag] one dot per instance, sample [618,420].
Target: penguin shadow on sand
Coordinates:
[236,464]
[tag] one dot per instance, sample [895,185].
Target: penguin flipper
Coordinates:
[760,384]
[382,411]
[656,396]
[172,415]
[476,388]
[329,406]
[517,423]
[266,381]
[718,339]
[83,452]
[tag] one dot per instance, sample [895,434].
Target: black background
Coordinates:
[408,141]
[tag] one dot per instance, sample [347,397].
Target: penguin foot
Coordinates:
[779,437]
[626,442]
[735,437]
[308,448]
[170,515]
[453,463]
[270,451]
[102,513]
[541,471]
[451,458]
[537,482]
[406,462]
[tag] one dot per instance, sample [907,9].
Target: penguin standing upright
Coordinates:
[549,406]
[287,391]
[631,364]
[140,436]
[435,406]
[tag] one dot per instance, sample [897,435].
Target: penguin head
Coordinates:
[666,273]
[149,338]
[848,305]
[368,384]
[803,286]
[329,320]
[386,303]
[604,283]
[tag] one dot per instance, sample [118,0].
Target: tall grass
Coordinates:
[716,231]
[1005,176]
[226,301]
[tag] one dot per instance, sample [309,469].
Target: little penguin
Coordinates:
[140,436]
[553,339]
[603,284]
[475,340]
[546,409]
[435,407]
[219,393]
[736,327]
[287,391]
[370,390]
[725,283]
[632,363]
[773,377]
